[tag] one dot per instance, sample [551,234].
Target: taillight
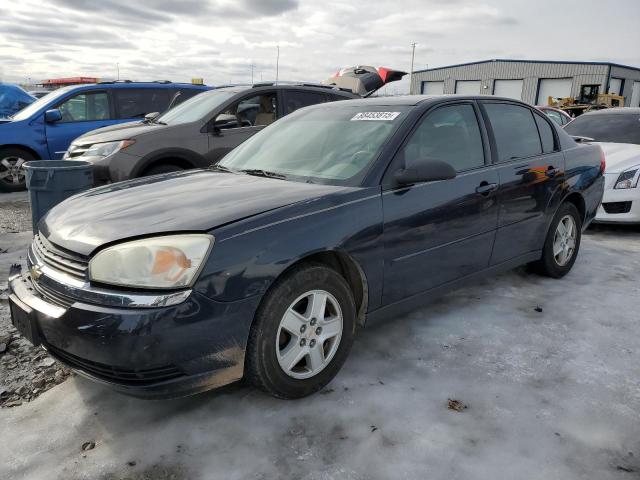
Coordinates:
[603,161]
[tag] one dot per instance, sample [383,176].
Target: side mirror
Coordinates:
[150,116]
[52,116]
[425,171]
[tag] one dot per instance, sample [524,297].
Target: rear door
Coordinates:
[240,121]
[436,232]
[531,171]
[81,113]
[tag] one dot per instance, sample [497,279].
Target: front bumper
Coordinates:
[161,352]
[623,206]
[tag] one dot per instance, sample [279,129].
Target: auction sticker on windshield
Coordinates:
[375,116]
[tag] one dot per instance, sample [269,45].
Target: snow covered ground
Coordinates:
[551,394]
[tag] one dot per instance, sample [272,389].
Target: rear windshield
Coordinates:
[602,127]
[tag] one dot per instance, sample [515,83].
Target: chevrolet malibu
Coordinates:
[263,266]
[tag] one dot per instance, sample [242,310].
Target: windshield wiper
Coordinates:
[263,173]
[221,168]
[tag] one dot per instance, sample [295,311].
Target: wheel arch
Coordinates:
[30,150]
[578,200]
[183,158]
[347,267]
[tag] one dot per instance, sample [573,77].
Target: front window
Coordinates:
[333,145]
[86,107]
[259,110]
[607,127]
[195,108]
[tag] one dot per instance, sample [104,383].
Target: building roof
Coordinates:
[69,80]
[529,61]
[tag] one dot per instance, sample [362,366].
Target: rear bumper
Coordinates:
[623,206]
[162,352]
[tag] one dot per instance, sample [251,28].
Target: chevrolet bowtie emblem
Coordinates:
[36,272]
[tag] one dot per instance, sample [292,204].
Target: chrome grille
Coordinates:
[59,259]
[51,296]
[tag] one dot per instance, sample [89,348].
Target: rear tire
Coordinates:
[158,169]
[562,243]
[302,333]
[12,175]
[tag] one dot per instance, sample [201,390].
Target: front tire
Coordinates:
[302,333]
[562,243]
[12,174]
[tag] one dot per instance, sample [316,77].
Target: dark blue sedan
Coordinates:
[336,216]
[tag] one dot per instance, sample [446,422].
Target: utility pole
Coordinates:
[413,54]
[252,65]
[277,62]
[118,70]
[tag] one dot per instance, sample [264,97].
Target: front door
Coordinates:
[81,113]
[239,122]
[531,170]
[436,232]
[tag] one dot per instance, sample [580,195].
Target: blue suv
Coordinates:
[44,129]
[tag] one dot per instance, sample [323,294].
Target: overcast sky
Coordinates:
[220,39]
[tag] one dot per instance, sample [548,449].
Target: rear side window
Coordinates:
[515,131]
[137,102]
[85,107]
[546,135]
[553,115]
[298,99]
[450,134]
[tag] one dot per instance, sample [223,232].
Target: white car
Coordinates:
[617,131]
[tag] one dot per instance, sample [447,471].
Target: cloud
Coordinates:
[220,39]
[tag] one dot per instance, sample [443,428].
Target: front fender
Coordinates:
[248,256]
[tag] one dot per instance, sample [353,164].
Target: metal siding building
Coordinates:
[535,79]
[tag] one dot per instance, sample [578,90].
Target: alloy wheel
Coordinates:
[564,240]
[11,170]
[309,334]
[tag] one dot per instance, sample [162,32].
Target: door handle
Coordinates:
[552,171]
[485,188]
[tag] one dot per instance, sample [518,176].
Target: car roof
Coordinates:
[413,100]
[616,111]
[127,84]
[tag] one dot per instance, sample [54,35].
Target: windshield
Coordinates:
[195,108]
[40,103]
[603,127]
[328,144]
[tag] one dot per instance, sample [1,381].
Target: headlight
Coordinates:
[98,149]
[172,261]
[627,179]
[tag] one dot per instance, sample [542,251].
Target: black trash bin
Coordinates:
[51,181]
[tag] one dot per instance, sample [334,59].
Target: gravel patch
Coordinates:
[25,371]
[15,212]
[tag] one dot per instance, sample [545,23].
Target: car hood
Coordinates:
[620,156]
[194,200]
[120,131]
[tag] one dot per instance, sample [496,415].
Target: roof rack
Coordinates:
[300,84]
[161,81]
[116,81]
